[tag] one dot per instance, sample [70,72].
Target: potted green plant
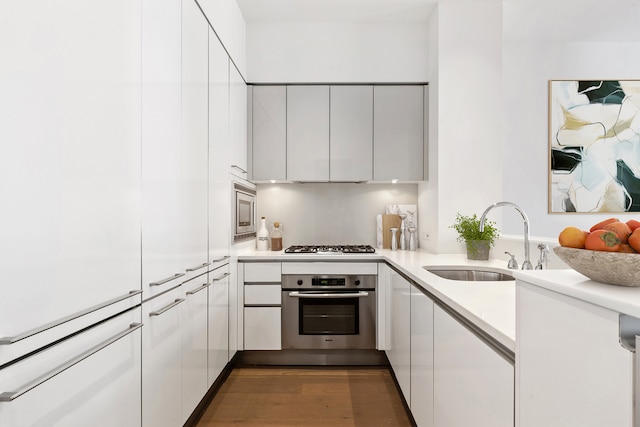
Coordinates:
[478,243]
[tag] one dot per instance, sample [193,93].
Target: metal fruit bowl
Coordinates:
[611,268]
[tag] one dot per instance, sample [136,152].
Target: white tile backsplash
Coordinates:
[330,213]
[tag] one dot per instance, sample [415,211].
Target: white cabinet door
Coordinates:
[195,136]
[161,152]
[308,133]
[98,383]
[399,353]
[269,137]
[351,133]
[69,157]
[218,344]
[473,385]
[398,134]
[194,343]
[262,330]
[238,121]
[219,187]
[162,360]
[571,368]
[421,358]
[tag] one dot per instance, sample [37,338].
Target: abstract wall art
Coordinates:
[594,146]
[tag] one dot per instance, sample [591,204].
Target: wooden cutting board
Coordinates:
[388,222]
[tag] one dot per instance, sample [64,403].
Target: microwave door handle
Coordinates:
[296,294]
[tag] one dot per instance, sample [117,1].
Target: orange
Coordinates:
[572,237]
[634,240]
[633,224]
[601,224]
[621,229]
[602,240]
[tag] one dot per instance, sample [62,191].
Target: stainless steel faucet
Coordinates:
[544,256]
[526,265]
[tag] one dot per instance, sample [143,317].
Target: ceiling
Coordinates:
[336,10]
[586,20]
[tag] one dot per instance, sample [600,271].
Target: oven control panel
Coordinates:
[329,281]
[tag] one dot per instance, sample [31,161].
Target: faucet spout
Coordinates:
[526,265]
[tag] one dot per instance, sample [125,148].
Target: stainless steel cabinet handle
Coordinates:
[222,276]
[220,259]
[12,395]
[239,168]
[199,267]
[168,279]
[297,294]
[196,290]
[166,308]
[27,334]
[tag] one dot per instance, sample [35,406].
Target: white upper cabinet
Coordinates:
[69,157]
[269,136]
[238,121]
[161,136]
[398,133]
[308,133]
[195,136]
[351,133]
[219,188]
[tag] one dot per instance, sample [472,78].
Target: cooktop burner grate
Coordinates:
[331,249]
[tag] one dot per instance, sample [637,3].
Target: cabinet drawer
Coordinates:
[262,328]
[262,294]
[262,272]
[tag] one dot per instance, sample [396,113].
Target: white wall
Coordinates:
[593,41]
[331,52]
[336,213]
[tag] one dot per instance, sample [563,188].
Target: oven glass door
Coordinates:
[329,319]
[335,316]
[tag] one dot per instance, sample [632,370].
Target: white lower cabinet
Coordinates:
[399,353]
[194,343]
[421,358]
[262,306]
[218,327]
[571,368]
[262,330]
[162,360]
[473,384]
[98,383]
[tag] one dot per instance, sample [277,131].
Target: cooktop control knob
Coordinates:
[299,282]
[356,282]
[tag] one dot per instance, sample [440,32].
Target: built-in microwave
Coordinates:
[245,211]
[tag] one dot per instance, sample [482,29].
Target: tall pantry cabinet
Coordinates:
[70,221]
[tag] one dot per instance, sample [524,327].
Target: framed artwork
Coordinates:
[594,146]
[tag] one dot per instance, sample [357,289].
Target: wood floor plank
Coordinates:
[318,396]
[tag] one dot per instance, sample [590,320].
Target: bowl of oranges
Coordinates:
[608,253]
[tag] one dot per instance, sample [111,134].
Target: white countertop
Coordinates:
[489,305]
[622,299]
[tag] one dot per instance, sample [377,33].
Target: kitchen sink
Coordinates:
[469,275]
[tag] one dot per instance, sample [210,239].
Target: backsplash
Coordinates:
[330,213]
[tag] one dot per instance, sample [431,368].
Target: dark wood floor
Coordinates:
[318,396]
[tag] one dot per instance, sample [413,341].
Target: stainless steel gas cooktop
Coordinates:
[330,249]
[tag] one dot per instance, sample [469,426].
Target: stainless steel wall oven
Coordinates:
[329,311]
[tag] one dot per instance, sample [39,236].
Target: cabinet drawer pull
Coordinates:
[222,276]
[199,267]
[27,334]
[168,279]
[220,259]
[239,168]
[168,307]
[198,289]
[12,395]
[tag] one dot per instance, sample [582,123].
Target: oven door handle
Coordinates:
[297,294]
